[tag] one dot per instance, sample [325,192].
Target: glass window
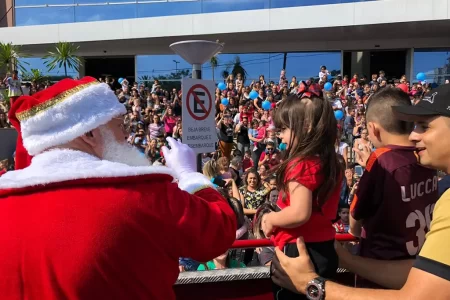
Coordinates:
[42,2]
[435,63]
[301,65]
[292,3]
[307,65]
[104,12]
[44,15]
[211,6]
[160,9]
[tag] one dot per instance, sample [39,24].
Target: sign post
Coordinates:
[198,106]
[199,128]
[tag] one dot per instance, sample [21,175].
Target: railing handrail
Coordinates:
[341,237]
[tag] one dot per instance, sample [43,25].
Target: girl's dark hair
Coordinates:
[265,208]
[236,205]
[313,128]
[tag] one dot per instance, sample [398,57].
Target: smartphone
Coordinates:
[359,171]
[219,182]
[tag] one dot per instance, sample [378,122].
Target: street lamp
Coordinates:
[196,53]
[176,65]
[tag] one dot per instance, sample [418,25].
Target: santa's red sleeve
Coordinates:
[206,225]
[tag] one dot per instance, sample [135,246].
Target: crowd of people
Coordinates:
[251,168]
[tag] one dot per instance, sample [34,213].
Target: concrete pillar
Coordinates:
[82,69]
[136,79]
[409,68]
[360,63]
[7,9]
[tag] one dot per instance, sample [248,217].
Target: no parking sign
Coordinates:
[199,126]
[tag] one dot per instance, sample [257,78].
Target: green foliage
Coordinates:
[64,55]
[34,75]
[146,81]
[214,62]
[9,57]
[238,68]
[172,80]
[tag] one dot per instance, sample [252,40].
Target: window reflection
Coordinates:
[434,63]
[42,2]
[211,6]
[44,15]
[159,9]
[104,12]
[95,10]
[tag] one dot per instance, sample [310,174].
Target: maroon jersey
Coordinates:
[395,201]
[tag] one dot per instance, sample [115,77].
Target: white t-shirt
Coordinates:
[337,103]
[14,87]
[341,148]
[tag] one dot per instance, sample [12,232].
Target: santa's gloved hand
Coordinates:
[181,158]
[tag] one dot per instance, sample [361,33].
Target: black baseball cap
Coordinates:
[434,103]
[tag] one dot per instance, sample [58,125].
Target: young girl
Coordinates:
[309,181]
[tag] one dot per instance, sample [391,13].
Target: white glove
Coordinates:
[181,158]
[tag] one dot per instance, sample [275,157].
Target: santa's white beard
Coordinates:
[121,152]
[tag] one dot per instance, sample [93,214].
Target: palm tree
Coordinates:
[64,55]
[238,68]
[9,57]
[35,75]
[214,63]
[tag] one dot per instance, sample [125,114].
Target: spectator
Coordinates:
[342,225]
[225,128]
[253,193]
[243,141]
[391,183]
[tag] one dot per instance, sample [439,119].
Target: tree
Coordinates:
[63,55]
[214,62]
[172,80]
[145,79]
[35,75]
[9,57]
[238,68]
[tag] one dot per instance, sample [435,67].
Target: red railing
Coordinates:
[345,237]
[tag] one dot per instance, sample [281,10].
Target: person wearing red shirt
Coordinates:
[270,156]
[89,218]
[309,181]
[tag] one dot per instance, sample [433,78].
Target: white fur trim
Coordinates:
[194,182]
[83,111]
[62,165]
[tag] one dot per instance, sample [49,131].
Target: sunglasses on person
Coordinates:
[269,149]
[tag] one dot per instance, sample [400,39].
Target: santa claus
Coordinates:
[88,218]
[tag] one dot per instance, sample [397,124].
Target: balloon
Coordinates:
[338,114]
[266,105]
[421,76]
[225,101]
[222,86]
[120,80]
[282,146]
[253,95]
[329,77]
[328,86]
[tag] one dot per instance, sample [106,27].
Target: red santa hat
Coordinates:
[61,113]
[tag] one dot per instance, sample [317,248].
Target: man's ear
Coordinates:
[92,138]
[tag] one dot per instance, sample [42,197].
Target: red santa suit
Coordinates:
[73,226]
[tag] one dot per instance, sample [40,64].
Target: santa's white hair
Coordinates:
[121,152]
